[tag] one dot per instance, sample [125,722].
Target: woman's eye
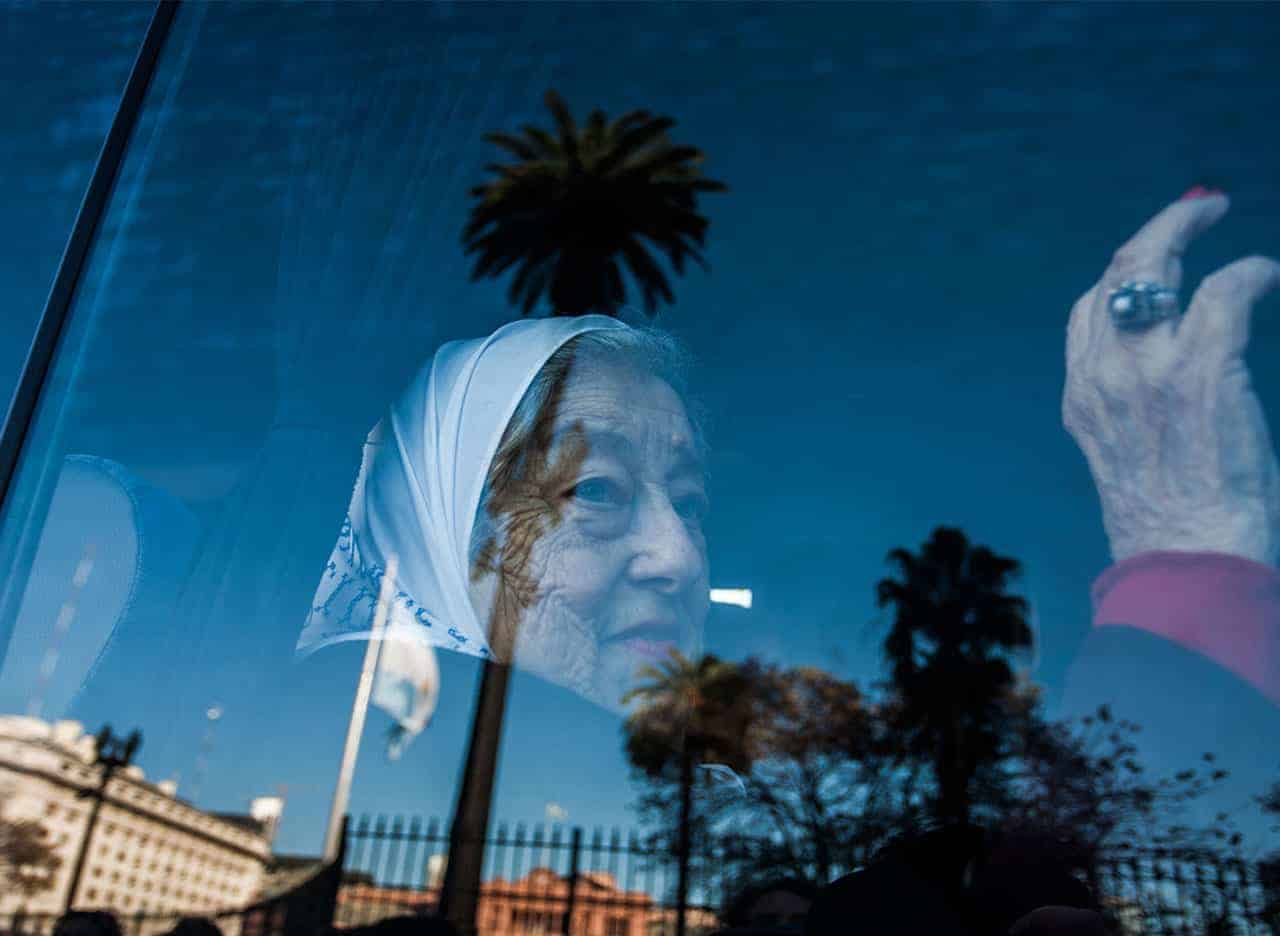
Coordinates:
[600,492]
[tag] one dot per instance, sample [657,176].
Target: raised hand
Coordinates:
[1165,414]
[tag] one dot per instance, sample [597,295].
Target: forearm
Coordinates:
[1222,606]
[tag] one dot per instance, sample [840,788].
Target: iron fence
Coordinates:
[542,880]
[1163,891]
[539,879]
[535,879]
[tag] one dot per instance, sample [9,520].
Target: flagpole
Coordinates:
[359,709]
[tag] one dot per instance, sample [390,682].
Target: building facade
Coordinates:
[533,905]
[151,853]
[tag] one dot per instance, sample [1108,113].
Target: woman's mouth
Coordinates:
[650,642]
[649,649]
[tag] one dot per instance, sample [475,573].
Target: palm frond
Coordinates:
[519,148]
[568,129]
[575,206]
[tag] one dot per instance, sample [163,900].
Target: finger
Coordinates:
[1155,254]
[1221,310]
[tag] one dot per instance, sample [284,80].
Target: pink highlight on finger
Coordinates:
[1199,191]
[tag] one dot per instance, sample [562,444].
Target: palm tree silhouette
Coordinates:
[952,620]
[565,213]
[577,202]
[692,713]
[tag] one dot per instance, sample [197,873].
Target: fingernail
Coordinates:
[1199,191]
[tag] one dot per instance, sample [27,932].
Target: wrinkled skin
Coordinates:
[601,533]
[1171,428]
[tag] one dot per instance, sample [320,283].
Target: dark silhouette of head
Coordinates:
[914,885]
[1061,921]
[407,926]
[778,904]
[1025,871]
[87,923]
[195,926]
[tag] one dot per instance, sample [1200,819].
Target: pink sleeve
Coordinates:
[1224,607]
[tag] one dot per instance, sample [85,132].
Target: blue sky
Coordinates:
[918,195]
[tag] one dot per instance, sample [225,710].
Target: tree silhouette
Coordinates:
[1269,866]
[691,713]
[953,621]
[1082,781]
[827,785]
[577,201]
[28,859]
[573,204]
[832,785]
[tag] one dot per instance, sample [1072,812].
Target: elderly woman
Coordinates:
[542,493]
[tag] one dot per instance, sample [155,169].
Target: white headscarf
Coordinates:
[419,487]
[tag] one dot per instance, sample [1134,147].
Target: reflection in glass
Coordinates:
[543,492]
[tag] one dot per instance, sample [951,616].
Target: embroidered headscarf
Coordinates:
[419,487]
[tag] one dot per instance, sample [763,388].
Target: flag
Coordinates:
[406,686]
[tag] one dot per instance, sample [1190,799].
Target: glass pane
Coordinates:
[287,418]
[71,61]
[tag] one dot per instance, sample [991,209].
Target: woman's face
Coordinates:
[615,555]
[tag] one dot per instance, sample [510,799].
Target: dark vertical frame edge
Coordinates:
[49,329]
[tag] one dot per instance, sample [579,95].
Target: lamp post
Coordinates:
[111,753]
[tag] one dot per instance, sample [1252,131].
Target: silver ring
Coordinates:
[1136,305]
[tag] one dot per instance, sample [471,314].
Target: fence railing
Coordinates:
[544,880]
[1163,891]
[540,879]
[534,880]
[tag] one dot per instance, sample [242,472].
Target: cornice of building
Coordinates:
[63,764]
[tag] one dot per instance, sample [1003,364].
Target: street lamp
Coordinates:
[111,753]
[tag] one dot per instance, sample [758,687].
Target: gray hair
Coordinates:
[643,348]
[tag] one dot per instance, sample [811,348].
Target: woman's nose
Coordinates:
[668,555]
